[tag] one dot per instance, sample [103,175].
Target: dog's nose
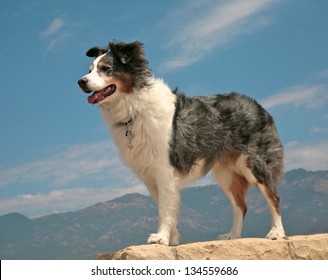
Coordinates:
[82,82]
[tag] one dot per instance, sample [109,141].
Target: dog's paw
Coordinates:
[275,234]
[158,238]
[174,237]
[174,241]
[229,236]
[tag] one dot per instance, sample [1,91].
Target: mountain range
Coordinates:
[127,220]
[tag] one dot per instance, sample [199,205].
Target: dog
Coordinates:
[171,140]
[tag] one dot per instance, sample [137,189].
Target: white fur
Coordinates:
[151,111]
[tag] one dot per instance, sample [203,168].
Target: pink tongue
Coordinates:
[96,97]
[99,95]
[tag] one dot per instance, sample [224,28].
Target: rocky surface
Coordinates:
[309,247]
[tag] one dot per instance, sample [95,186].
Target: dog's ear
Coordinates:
[125,52]
[96,51]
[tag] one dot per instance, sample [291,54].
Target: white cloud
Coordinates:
[216,27]
[316,129]
[311,156]
[58,31]
[69,171]
[298,96]
[73,163]
[323,74]
[53,27]
[57,40]
[63,200]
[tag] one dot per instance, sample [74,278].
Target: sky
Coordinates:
[56,154]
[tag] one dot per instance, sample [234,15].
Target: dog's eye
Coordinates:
[89,71]
[105,68]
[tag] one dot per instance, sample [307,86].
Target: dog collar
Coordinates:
[120,124]
[128,132]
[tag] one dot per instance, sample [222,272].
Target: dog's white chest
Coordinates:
[143,145]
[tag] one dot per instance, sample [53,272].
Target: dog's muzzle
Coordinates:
[98,95]
[83,84]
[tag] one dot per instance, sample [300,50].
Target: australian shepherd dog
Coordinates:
[171,140]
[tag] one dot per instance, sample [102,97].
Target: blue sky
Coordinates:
[55,152]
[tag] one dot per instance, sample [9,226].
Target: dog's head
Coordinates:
[116,70]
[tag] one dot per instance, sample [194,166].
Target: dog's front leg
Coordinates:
[168,208]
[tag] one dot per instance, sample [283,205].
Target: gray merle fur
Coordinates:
[223,126]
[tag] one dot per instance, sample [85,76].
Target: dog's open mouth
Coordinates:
[100,95]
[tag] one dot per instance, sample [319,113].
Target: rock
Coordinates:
[309,247]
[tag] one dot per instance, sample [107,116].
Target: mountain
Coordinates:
[205,214]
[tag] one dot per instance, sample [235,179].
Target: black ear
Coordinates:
[96,51]
[127,51]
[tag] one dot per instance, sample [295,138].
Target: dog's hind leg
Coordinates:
[235,187]
[272,198]
[258,174]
